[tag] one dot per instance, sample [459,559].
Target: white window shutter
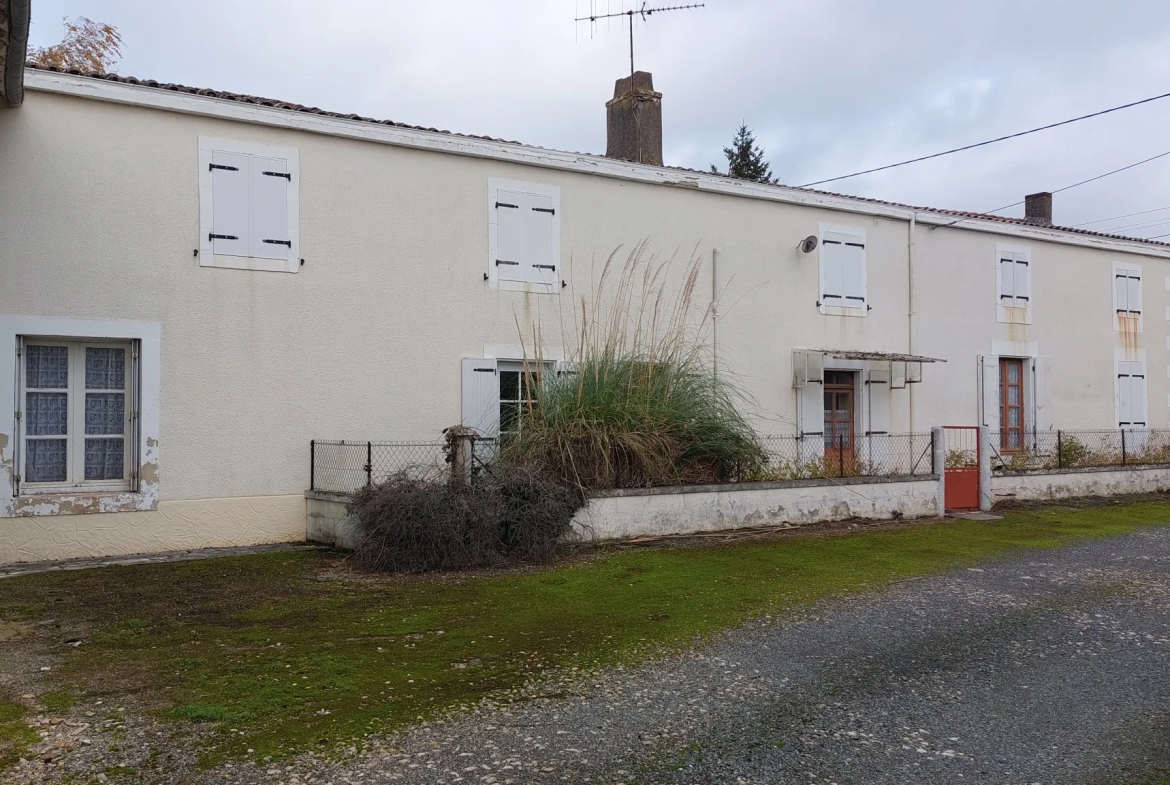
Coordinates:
[1023,282]
[1134,289]
[879,402]
[1007,279]
[1043,396]
[811,402]
[853,273]
[510,261]
[270,183]
[539,254]
[990,394]
[231,197]
[1124,398]
[834,272]
[1138,388]
[481,395]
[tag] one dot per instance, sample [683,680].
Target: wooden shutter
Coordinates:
[509,259]
[834,270]
[1023,281]
[231,187]
[810,402]
[853,272]
[1042,376]
[481,395]
[989,397]
[269,230]
[1127,291]
[1007,279]
[879,402]
[539,254]
[1131,394]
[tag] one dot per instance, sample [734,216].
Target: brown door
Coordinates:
[839,418]
[1012,423]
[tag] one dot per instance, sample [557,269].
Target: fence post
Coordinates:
[460,453]
[938,467]
[841,455]
[312,463]
[369,464]
[1059,451]
[1123,455]
[984,454]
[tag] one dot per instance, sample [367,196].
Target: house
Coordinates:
[194,284]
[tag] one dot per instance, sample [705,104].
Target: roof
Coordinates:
[853,354]
[301,108]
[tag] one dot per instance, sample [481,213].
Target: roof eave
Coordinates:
[13,50]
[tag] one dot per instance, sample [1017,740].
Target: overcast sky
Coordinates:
[829,86]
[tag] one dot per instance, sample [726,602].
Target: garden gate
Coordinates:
[961,469]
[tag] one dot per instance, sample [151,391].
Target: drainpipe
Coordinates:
[910,302]
[714,313]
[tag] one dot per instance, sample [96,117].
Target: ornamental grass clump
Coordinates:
[639,400]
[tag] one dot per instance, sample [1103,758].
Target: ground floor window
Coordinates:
[76,406]
[518,385]
[839,409]
[1013,422]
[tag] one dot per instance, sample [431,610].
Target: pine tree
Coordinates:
[745,159]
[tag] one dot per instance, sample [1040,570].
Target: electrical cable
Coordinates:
[1118,217]
[987,142]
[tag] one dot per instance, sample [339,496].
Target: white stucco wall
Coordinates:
[99,217]
[1073,483]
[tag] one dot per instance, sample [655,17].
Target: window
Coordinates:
[1127,297]
[1013,422]
[524,236]
[496,392]
[248,206]
[518,385]
[1131,394]
[77,410]
[843,274]
[1013,290]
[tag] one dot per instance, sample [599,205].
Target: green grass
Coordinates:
[278,654]
[15,736]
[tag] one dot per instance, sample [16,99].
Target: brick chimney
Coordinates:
[634,120]
[1038,209]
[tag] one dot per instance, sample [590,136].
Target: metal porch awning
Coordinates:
[851,354]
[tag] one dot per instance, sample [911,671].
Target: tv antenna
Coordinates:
[644,12]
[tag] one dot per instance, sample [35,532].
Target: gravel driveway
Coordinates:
[1050,668]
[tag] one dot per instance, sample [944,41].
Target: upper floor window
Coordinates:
[1013,284]
[843,270]
[1127,297]
[248,206]
[524,236]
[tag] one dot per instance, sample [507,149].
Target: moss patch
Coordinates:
[16,738]
[279,653]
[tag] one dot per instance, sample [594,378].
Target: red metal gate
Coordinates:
[961,468]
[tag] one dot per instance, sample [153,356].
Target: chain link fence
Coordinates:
[872,455]
[344,467]
[1012,451]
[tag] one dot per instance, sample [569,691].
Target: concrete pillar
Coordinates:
[460,453]
[938,462]
[984,468]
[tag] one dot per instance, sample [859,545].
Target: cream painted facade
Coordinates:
[100,220]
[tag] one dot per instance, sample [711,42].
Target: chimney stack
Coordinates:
[1038,209]
[634,120]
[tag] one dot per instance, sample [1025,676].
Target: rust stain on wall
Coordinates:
[1128,326]
[1017,319]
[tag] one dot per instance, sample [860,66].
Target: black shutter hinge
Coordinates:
[505,204]
[549,210]
[545,266]
[212,167]
[222,237]
[501,261]
[484,370]
[280,242]
[285,175]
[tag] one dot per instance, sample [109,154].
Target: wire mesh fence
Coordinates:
[872,455]
[1013,451]
[344,466]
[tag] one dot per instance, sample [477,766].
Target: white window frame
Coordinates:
[1005,311]
[75,435]
[207,257]
[553,192]
[842,308]
[1128,270]
[74,500]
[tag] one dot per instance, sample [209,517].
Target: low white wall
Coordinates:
[1070,483]
[617,515]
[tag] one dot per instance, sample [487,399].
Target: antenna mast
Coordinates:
[643,12]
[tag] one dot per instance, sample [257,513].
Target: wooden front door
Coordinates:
[840,414]
[1012,422]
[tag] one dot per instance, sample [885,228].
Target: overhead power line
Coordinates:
[1068,187]
[989,141]
[1118,217]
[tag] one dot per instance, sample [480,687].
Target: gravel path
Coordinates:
[1052,667]
[1025,671]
